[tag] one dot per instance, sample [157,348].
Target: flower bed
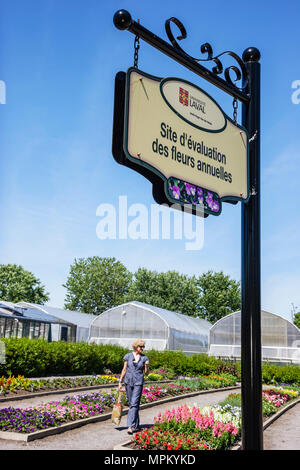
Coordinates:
[23,420]
[210,428]
[272,399]
[78,407]
[186,428]
[279,397]
[56,412]
[12,386]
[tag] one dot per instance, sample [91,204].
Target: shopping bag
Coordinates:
[117,411]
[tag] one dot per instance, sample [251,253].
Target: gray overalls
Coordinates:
[134,380]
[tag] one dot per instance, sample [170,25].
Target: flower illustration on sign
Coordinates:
[187,193]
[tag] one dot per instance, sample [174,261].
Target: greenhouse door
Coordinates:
[64,333]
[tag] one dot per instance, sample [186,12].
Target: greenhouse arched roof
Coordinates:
[174,320]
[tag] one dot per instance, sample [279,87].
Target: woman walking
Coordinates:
[135,364]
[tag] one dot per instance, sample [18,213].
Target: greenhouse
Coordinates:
[280,338]
[21,322]
[70,325]
[161,329]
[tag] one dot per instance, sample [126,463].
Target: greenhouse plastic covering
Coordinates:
[161,329]
[15,310]
[68,317]
[280,338]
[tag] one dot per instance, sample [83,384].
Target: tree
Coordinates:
[220,295]
[297,320]
[170,290]
[96,284]
[17,284]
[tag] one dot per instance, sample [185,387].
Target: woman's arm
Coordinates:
[123,374]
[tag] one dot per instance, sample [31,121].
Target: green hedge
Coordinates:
[39,358]
[273,374]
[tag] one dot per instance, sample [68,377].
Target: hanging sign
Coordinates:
[177,131]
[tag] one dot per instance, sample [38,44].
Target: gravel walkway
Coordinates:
[284,433]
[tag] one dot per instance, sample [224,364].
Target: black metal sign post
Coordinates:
[252,434]
[247,69]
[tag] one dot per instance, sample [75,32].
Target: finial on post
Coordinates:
[122,19]
[251,54]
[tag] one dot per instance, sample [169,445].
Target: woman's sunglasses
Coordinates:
[141,346]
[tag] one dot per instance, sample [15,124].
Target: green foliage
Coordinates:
[152,377]
[297,320]
[164,373]
[268,408]
[170,290]
[38,358]
[17,284]
[287,374]
[219,295]
[96,284]
[233,399]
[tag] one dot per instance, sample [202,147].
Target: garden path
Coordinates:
[283,434]
[104,435]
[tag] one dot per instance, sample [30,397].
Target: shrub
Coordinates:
[154,377]
[39,358]
[281,374]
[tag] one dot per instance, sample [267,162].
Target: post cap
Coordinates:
[122,19]
[251,54]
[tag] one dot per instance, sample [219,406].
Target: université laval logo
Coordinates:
[183,96]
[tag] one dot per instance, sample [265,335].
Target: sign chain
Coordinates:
[235,107]
[136,50]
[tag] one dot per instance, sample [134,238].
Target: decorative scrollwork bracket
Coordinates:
[124,21]
[206,48]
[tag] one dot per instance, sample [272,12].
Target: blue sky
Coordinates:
[58,59]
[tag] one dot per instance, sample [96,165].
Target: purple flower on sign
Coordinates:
[215,206]
[209,199]
[188,193]
[176,191]
[190,189]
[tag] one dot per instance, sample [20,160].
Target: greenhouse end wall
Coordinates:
[280,338]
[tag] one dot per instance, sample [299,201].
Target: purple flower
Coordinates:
[190,189]
[215,206]
[176,191]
